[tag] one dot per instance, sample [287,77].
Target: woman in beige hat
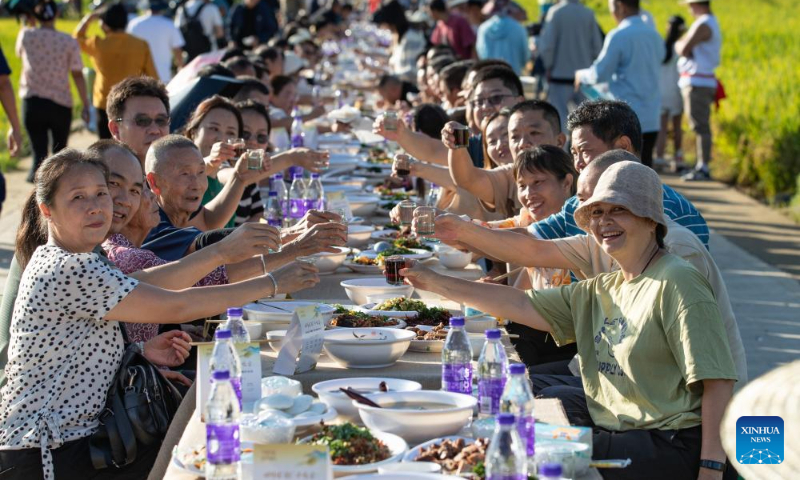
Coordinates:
[655,362]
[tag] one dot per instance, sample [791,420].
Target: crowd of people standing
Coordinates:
[620,310]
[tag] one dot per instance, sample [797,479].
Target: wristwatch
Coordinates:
[712,465]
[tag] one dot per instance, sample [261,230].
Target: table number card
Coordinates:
[290,462]
[249,357]
[303,342]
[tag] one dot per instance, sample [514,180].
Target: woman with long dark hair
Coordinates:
[671,100]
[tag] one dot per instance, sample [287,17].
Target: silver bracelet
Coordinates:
[264,264]
[274,283]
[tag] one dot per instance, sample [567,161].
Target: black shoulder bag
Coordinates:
[139,407]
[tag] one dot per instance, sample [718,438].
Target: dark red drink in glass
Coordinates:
[392,266]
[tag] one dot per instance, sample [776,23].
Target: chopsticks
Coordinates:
[506,275]
[358,397]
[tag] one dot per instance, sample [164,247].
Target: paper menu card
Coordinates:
[302,343]
[249,357]
[291,462]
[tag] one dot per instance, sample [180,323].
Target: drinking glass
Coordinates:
[255,159]
[425,221]
[341,213]
[307,259]
[390,120]
[402,164]
[462,136]
[406,210]
[392,266]
[238,145]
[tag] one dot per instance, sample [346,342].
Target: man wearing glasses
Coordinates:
[138,112]
[495,88]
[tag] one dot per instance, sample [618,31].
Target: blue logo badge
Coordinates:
[759,440]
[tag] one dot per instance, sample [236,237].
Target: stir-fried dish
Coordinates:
[351,445]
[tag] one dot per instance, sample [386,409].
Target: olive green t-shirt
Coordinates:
[644,345]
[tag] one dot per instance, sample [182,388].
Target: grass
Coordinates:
[757,128]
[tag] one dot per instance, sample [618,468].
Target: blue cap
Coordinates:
[493,334]
[234,312]
[550,470]
[315,175]
[221,375]
[457,321]
[273,193]
[297,176]
[505,418]
[222,334]
[516,369]
[278,175]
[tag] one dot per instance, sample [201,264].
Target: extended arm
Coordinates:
[433,173]
[463,172]
[14,137]
[696,35]
[716,395]
[604,66]
[418,145]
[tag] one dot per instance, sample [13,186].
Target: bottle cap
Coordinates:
[278,176]
[297,176]
[273,193]
[505,418]
[234,312]
[516,369]
[493,334]
[221,375]
[315,175]
[457,321]
[222,334]
[550,470]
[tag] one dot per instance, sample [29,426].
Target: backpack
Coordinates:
[194,36]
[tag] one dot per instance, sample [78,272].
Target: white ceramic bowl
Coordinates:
[358,235]
[328,391]
[397,448]
[277,335]
[357,289]
[418,425]
[480,324]
[330,262]
[253,329]
[367,347]
[344,180]
[402,476]
[476,340]
[455,259]
[411,467]
[276,315]
[363,205]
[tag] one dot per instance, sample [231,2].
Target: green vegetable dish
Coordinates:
[351,445]
[395,251]
[425,315]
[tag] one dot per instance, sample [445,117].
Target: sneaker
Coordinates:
[696,176]
[678,164]
[660,163]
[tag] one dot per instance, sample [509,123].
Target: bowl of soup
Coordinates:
[418,416]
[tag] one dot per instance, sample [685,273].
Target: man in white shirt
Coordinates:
[163,37]
[700,56]
[210,18]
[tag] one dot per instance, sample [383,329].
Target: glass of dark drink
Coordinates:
[238,145]
[402,164]
[461,134]
[406,211]
[392,266]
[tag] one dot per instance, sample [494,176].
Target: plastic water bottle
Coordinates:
[550,471]
[315,194]
[517,399]
[223,449]
[277,184]
[433,196]
[225,358]
[457,359]
[297,195]
[505,458]
[492,374]
[297,138]
[273,213]
[235,325]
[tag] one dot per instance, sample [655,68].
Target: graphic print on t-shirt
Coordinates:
[611,333]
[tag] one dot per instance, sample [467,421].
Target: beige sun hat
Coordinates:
[631,185]
[776,393]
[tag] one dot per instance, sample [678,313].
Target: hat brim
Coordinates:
[614,198]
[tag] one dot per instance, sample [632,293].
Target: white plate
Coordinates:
[368,308]
[413,453]
[397,448]
[279,311]
[382,235]
[329,415]
[400,324]
[419,254]
[426,346]
[366,269]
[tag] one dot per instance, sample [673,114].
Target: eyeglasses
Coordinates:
[492,101]
[261,138]
[144,121]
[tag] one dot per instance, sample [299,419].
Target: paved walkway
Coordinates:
[757,250]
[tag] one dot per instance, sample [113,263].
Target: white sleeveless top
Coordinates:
[698,71]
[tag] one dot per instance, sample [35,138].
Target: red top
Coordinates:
[456,32]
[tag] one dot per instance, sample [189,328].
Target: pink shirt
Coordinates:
[48,58]
[455,32]
[128,258]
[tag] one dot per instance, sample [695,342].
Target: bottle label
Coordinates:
[297,141]
[274,222]
[284,206]
[297,208]
[222,444]
[457,377]
[527,432]
[309,204]
[489,393]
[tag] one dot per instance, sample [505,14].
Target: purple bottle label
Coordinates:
[527,432]
[457,378]
[514,476]
[222,444]
[310,204]
[297,141]
[489,393]
[274,222]
[284,206]
[297,208]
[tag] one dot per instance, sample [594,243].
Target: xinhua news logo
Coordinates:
[759,440]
